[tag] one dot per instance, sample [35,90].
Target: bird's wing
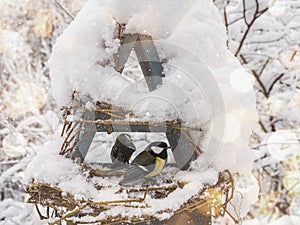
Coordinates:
[135,173]
[144,159]
[114,152]
[142,165]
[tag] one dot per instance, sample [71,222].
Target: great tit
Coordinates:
[122,150]
[147,164]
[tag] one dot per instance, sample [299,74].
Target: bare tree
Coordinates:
[263,35]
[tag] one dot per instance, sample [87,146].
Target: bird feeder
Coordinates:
[107,118]
[104,119]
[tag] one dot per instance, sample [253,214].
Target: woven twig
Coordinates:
[120,113]
[66,208]
[52,197]
[72,131]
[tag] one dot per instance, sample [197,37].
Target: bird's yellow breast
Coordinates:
[159,165]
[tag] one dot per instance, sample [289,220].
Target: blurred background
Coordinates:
[263,34]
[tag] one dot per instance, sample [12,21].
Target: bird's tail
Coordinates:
[117,164]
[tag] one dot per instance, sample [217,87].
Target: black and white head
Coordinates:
[122,150]
[124,136]
[125,139]
[159,149]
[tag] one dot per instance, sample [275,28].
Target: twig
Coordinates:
[236,221]
[95,110]
[69,214]
[66,141]
[170,124]
[39,213]
[65,10]
[293,55]
[165,188]
[123,200]
[244,13]
[98,207]
[77,142]
[274,82]
[228,199]
[119,220]
[262,126]
[226,23]
[114,115]
[264,66]
[48,212]
[261,84]
[272,124]
[249,25]
[64,128]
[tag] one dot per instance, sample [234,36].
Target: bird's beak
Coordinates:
[169,147]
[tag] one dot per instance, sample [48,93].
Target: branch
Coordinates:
[65,10]
[256,15]
[244,13]
[261,84]
[226,26]
[274,82]
[263,126]
[264,66]
[257,77]
[154,124]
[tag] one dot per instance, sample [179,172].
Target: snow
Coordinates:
[205,86]
[49,167]
[25,213]
[286,220]
[14,145]
[247,191]
[275,34]
[282,144]
[201,74]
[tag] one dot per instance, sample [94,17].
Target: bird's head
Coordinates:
[124,136]
[159,149]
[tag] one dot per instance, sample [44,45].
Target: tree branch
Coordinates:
[256,15]
[274,82]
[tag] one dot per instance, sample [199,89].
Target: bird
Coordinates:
[148,163]
[122,151]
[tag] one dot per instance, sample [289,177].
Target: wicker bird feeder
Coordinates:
[60,206]
[105,117]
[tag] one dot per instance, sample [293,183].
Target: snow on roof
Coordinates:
[204,85]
